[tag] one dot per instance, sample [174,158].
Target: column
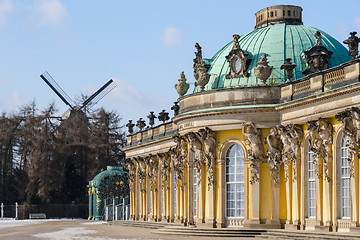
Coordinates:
[190,200]
[181,199]
[275,191]
[254,191]
[296,202]
[200,195]
[90,205]
[158,205]
[288,180]
[172,196]
[221,191]
[328,191]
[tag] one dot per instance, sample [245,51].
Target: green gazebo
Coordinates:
[96,202]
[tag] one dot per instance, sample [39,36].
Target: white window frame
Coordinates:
[238,164]
[311,184]
[345,195]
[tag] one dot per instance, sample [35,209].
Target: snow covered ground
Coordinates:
[8,223]
[67,233]
[76,233]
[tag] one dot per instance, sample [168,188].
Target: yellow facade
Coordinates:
[261,155]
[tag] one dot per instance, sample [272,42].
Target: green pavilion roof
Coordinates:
[110,171]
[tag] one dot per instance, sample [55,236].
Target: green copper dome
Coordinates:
[110,171]
[279,40]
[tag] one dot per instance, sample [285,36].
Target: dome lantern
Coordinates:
[279,13]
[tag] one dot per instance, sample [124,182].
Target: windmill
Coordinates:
[87,104]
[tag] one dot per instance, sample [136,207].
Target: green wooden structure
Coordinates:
[96,203]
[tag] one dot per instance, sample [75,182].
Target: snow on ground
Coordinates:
[10,222]
[94,223]
[18,223]
[76,233]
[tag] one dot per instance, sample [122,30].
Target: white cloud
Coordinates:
[129,101]
[51,12]
[6,7]
[171,37]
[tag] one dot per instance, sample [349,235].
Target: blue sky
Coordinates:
[142,45]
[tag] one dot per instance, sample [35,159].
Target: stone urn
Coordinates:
[263,70]
[201,76]
[288,67]
[182,87]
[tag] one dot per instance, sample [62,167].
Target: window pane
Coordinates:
[234,181]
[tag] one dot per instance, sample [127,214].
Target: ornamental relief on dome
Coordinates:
[238,60]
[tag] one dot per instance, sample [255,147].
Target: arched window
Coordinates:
[311,194]
[234,181]
[344,178]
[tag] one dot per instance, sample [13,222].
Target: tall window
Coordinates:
[194,189]
[311,184]
[234,181]
[344,178]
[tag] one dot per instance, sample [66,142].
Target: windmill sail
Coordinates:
[56,88]
[99,94]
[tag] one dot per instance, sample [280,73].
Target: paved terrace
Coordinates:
[99,230]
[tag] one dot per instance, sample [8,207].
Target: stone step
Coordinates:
[151,225]
[297,235]
[210,232]
[206,234]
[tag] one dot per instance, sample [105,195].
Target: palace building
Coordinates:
[269,138]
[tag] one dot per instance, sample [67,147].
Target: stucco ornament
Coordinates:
[130,166]
[141,172]
[152,165]
[353,44]
[350,119]
[255,152]
[182,87]
[196,146]
[200,71]
[263,70]
[286,151]
[164,164]
[238,60]
[320,140]
[274,154]
[178,156]
[295,135]
[208,137]
[317,57]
